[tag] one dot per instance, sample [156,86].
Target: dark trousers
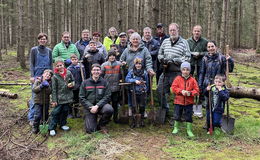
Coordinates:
[38,114]
[91,124]
[115,98]
[59,116]
[216,119]
[186,111]
[141,102]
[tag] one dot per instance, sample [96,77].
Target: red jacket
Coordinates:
[179,84]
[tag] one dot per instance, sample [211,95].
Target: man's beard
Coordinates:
[174,38]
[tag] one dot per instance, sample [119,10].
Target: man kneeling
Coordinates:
[94,96]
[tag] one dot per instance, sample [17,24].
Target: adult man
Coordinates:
[160,37]
[64,49]
[94,96]
[83,42]
[123,42]
[40,60]
[152,45]
[198,48]
[172,53]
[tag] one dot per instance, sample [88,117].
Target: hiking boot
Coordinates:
[103,130]
[35,130]
[176,127]
[65,128]
[189,129]
[52,133]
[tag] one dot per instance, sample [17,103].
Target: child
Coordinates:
[185,88]
[111,73]
[219,95]
[140,77]
[75,69]
[62,96]
[115,48]
[42,90]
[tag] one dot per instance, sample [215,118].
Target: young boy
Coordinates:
[75,69]
[62,96]
[115,48]
[219,95]
[111,73]
[185,87]
[139,77]
[42,90]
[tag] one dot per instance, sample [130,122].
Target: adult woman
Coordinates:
[112,38]
[40,60]
[213,63]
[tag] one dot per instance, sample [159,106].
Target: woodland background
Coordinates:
[233,22]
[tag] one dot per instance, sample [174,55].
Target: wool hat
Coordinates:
[122,34]
[185,65]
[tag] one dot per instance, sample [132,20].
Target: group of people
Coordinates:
[90,72]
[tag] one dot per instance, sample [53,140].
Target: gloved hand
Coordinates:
[67,62]
[195,53]
[45,83]
[177,61]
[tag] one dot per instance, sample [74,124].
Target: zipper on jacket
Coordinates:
[185,90]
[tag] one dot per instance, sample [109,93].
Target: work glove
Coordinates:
[45,83]
[67,62]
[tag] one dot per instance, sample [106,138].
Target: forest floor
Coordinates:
[150,142]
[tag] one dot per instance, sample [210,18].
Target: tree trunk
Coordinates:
[223,28]
[258,29]
[243,92]
[21,35]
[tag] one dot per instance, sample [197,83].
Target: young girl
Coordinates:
[62,96]
[42,90]
[185,88]
[140,77]
[218,96]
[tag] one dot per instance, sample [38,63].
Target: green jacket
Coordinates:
[60,51]
[108,41]
[198,46]
[42,95]
[60,92]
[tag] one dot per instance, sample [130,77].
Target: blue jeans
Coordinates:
[216,119]
[31,109]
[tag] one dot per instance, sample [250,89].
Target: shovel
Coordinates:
[123,117]
[228,123]
[210,115]
[161,113]
[136,116]
[151,114]
[44,126]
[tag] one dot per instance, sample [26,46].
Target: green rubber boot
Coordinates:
[176,127]
[189,129]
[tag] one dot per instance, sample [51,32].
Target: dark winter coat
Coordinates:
[61,93]
[81,45]
[94,93]
[161,38]
[139,89]
[153,47]
[76,72]
[211,66]
[218,98]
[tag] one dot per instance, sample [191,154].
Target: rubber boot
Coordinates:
[189,129]
[176,127]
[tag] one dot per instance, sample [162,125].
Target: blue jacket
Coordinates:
[139,89]
[153,47]
[160,39]
[75,70]
[211,66]
[218,98]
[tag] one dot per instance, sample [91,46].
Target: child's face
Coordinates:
[60,66]
[218,82]
[92,46]
[115,49]
[46,76]
[138,65]
[185,72]
[111,58]
[74,61]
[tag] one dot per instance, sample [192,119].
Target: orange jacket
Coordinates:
[179,84]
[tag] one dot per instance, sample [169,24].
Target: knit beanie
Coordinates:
[185,65]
